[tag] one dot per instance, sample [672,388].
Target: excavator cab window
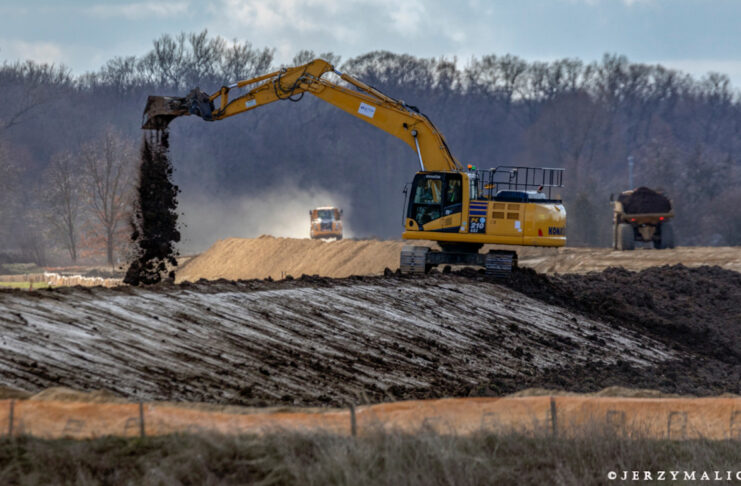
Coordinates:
[426,203]
[434,196]
[453,194]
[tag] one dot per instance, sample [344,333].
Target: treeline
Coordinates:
[69,144]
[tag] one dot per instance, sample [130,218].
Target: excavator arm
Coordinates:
[364,102]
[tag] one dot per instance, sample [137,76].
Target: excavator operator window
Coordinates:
[428,192]
[428,198]
[435,196]
[452,194]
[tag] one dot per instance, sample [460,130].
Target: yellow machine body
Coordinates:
[440,210]
[325,223]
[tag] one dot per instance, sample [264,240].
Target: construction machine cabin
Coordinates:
[460,208]
[325,223]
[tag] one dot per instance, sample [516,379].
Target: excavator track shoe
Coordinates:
[413,259]
[499,264]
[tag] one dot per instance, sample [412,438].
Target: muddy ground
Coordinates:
[320,341]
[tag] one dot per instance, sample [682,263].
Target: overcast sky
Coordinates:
[692,35]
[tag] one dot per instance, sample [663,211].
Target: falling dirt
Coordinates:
[154,226]
[326,342]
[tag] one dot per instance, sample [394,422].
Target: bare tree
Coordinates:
[108,165]
[9,188]
[25,87]
[63,180]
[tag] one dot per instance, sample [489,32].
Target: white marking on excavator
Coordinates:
[250,103]
[367,110]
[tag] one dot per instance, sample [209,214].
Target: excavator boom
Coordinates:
[365,102]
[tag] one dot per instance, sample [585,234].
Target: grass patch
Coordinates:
[383,458]
[23,285]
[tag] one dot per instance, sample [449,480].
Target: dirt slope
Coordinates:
[267,256]
[302,342]
[318,341]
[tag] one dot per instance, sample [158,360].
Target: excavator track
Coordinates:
[420,259]
[414,259]
[500,264]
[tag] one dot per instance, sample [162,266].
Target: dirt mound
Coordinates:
[644,200]
[695,307]
[267,256]
[309,341]
[321,341]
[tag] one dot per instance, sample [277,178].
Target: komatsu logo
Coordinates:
[556,230]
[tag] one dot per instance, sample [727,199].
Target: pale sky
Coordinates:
[695,36]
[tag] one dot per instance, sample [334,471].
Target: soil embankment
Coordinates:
[319,341]
[267,256]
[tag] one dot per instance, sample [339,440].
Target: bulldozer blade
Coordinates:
[161,110]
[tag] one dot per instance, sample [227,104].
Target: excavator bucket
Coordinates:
[161,110]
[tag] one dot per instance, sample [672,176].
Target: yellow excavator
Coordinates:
[460,208]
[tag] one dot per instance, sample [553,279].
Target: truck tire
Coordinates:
[667,236]
[626,237]
[615,236]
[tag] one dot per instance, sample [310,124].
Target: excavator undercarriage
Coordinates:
[421,259]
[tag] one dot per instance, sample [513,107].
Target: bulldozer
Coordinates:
[642,215]
[462,208]
[325,223]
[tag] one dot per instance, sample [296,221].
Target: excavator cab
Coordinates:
[435,195]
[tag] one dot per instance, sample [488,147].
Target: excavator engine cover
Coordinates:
[161,110]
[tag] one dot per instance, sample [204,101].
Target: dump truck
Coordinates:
[642,214]
[325,223]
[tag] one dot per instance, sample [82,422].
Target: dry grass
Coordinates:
[24,285]
[383,458]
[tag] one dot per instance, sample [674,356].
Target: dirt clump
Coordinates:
[154,225]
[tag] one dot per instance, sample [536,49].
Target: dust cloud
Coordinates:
[284,213]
